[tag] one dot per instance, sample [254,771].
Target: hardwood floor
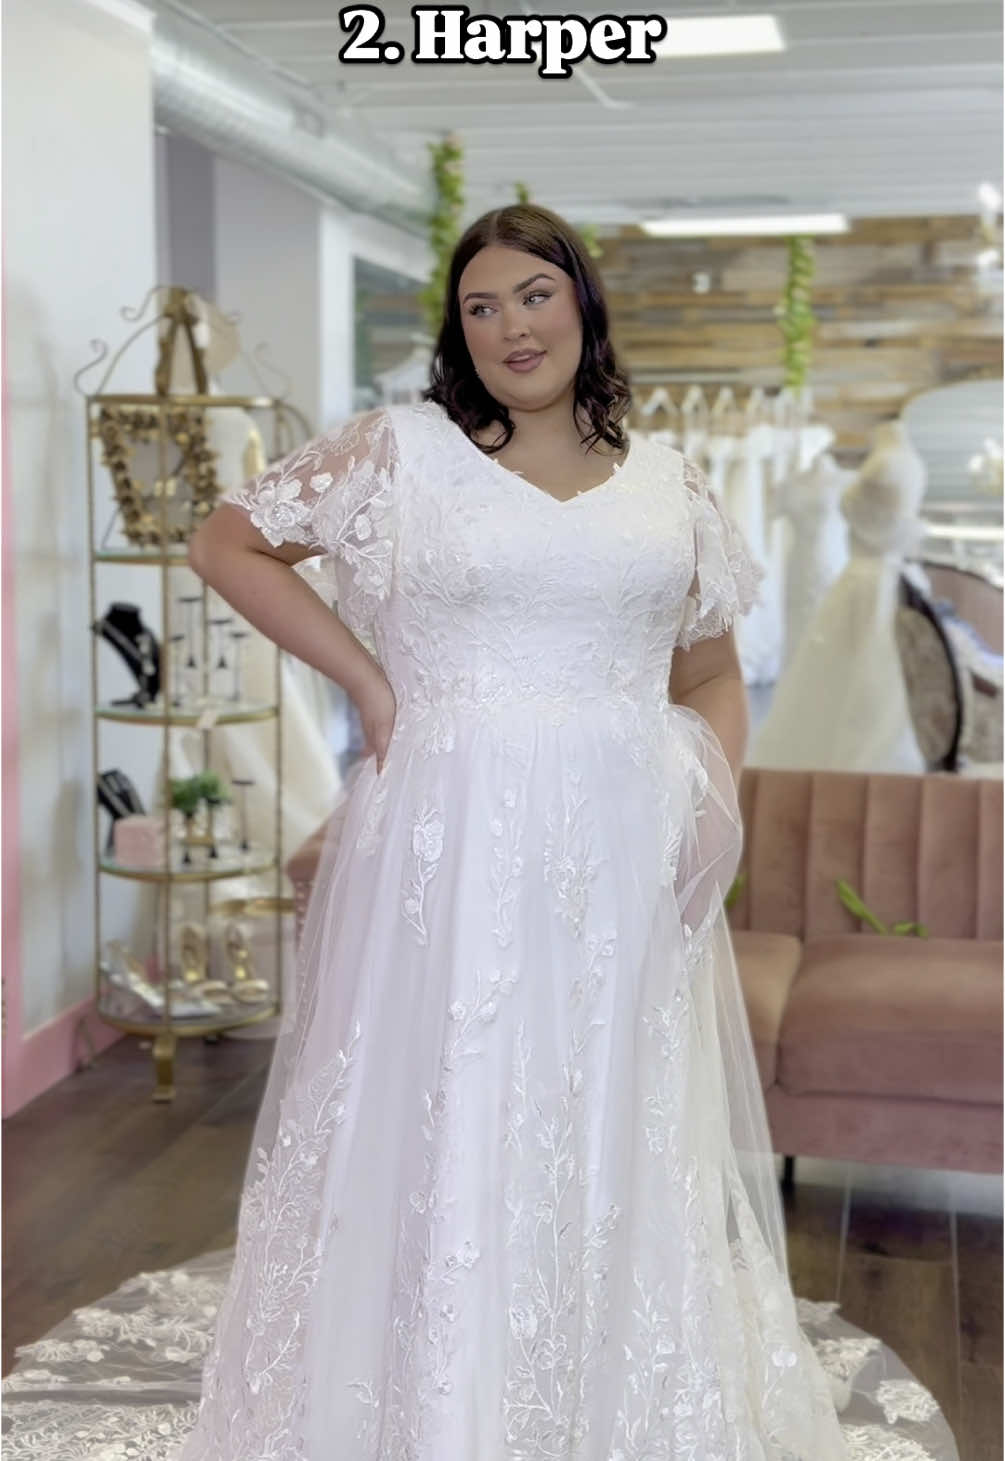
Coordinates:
[100,1182]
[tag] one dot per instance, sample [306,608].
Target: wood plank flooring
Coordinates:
[100,1182]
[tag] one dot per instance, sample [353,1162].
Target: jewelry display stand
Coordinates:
[157,450]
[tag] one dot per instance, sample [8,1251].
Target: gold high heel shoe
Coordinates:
[193,954]
[124,970]
[195,968]
[244,987]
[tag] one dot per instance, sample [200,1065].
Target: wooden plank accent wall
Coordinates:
[897,306]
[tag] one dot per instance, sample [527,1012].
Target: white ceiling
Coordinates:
[876,108]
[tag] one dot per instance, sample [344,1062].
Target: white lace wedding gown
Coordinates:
[510,1194]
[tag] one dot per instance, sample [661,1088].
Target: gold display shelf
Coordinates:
[157,715]
[151,525]
[165,1038]
[140,555]
[257,860]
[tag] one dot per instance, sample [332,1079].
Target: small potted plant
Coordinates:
[186,795]
[185,798]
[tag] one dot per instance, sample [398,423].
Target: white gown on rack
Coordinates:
[759,635]
[510,1194]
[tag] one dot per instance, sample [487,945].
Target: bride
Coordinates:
[511,1191]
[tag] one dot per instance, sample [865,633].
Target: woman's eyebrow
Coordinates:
[485,294]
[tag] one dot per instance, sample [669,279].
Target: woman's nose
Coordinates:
[514,326]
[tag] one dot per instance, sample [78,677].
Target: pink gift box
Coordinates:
[139,842]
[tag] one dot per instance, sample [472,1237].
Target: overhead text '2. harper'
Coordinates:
[555,43]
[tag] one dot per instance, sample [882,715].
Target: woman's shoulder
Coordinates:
[409,421]
[667,461]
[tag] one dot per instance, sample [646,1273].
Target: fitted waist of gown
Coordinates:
[490,698]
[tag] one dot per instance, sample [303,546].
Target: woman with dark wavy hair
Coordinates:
[511,1194]
[563,333]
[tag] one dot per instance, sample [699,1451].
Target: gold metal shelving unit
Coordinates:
[152,521]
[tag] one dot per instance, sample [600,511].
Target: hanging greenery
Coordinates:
[444,225]
[795,316]
[588,233]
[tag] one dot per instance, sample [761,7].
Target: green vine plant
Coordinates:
[795,316]
[855,905]
[588,232]
[444,226]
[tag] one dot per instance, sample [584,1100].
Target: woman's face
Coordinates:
[514,303]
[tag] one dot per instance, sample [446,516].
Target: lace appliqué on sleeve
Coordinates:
[726,576]
[334,494]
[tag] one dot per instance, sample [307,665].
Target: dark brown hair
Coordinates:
[602,391]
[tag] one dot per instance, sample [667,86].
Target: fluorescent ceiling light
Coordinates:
[720,36]
[686,227]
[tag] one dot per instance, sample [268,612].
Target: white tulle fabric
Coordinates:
[510,1194]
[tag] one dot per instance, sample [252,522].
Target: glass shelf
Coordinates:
[175,399]
[230,1018]
[178,557]
[220,712]
[232,863]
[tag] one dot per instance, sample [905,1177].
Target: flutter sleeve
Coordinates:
[726,574]
[335,495]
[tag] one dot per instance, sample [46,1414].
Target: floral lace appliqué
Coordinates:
[426,851]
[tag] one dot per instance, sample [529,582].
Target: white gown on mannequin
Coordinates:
[511,1195]
[841,704]
[818,541]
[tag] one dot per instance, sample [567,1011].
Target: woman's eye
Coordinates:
[539,294]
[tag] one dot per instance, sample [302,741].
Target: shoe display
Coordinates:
[124,970]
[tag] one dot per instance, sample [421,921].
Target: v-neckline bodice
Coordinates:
[616,475]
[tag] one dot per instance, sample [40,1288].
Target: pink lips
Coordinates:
[527,363]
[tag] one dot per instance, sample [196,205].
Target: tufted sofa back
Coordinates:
[921,848]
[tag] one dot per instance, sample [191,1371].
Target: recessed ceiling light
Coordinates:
[720,35]
[751,224]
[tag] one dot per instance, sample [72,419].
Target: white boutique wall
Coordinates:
[92,223]
[78,246]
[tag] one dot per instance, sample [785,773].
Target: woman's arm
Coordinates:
[229,553]
[707,679]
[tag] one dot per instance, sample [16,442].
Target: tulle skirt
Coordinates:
[510,1194]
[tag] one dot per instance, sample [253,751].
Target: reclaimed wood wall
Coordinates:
[898,311]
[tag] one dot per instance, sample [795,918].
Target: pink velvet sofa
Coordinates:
[871,1047]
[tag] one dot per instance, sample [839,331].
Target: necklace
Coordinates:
[136,652]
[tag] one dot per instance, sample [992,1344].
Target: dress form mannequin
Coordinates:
[841,704]
[810,500]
